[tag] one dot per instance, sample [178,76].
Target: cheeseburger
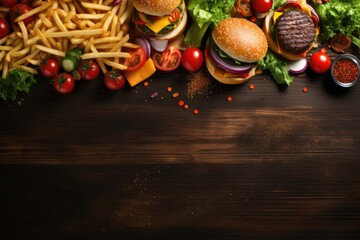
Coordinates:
[292,29]
[233,49]
[159,19]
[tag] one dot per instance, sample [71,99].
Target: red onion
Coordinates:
[144,43]
[226,66]
[314,13]
[297,66]
[116,2]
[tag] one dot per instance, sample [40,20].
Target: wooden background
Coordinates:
[272,164]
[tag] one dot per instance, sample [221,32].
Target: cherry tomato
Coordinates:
[4,28]
[320,62]
[114,80]
[8,3]
[136,60]
[168,60]
[262,6]
[192,59]
[20,9]
[49,68]
[64,83]
[89,69]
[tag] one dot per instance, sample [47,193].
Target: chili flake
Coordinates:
[175,95]
[146,84]
[305,89]
[345,71]
[196,111]
[186,106]
[252,86]
[169,89]
[181,103]
[229,99]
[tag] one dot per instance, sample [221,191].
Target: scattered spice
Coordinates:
[305,89]
[229,99]
[196,111]
[181,103]
[175,95]
[345,71]
[146,84]
[253,18]
[186,106]
[169,89]
[199,83]
[252,86]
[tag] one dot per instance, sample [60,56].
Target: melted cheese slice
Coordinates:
[276,16]
[136,77]
[159,24]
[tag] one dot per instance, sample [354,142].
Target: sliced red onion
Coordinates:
[297,66]
[116,2]
[158,45]
[144,43]
[314,13]
[226,66]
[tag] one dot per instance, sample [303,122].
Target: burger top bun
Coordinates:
[240,39]
[156,7]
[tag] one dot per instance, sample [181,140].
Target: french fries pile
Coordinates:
[96,26]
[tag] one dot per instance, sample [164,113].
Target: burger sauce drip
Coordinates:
[345,71]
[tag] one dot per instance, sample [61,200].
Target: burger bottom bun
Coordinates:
[273,45]
[177,31]
[226,80]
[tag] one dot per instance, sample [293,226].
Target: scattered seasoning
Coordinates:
[175,95]
[186,106]
[146,84]
[323,50]
[199,83]
[154,94]
[169,89]
[252,86]
[305,89]
[196,111]
[253,18]
[181,103]
[229,99]
[345,71]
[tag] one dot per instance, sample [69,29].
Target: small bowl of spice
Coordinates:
[345,70]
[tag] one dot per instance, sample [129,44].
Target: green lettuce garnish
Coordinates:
[204,13]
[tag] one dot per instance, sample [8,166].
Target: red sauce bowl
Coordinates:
[345,70]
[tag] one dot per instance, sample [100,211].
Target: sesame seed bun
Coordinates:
[156,7]
[240,39]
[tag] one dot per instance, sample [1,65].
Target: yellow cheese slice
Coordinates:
[137,76]
[276,15]
[159,24]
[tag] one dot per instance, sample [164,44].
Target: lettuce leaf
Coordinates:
[277,67]
[340,16]
[205,13]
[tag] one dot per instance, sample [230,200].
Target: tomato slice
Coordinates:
[136,60]
[168,60]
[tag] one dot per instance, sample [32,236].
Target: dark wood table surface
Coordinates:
[272,164]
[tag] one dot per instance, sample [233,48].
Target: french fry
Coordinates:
[59,25]
[34,11]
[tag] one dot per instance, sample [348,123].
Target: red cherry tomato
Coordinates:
[114,80]
[49,68]
[89,69]
[320,62]
[64,83]
[262,6]
[4,28]
[20,9]
[192,59]
[8,3]
[168,60]
[136,60]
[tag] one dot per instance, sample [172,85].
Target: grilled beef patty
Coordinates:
[295,31]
